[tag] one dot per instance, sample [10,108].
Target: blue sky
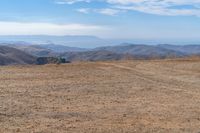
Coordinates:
[121,19]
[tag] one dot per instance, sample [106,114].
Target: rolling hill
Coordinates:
[132,51]
[11,56]
[186,49]
[100,55]
[143,51]
[62,48]
[35,50]
[119,52]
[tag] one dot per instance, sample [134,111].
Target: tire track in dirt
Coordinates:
[169,83]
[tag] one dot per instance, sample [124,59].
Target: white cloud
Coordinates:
[105,11]
[164,7]
[70,1]
[108,11]
[83,10]
[19,28]
[159,7]
[158,2]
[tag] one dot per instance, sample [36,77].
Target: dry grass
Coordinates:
[103,97]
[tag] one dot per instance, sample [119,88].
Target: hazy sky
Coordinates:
[133,19]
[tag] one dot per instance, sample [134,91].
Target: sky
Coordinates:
[118,19]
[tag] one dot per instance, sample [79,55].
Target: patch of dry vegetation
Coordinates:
[127,96]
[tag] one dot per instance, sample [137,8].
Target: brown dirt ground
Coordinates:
[101,97]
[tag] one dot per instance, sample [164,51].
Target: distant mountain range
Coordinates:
[45,50]
[78,41]
[26,53]
[83,41]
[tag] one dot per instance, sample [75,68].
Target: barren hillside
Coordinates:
[10,56]
[102,97]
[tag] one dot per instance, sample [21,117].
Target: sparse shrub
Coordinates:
[50,60]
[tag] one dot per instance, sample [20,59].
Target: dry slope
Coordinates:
[102,97]
[11,56]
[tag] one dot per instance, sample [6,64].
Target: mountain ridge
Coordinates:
[118,52]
